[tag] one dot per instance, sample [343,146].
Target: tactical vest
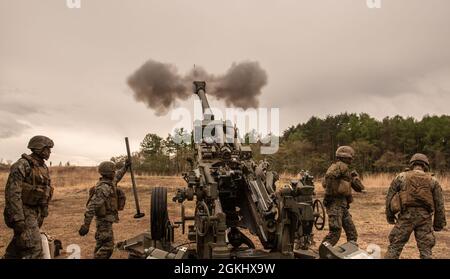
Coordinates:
[416,191]
[36,188]
[338,186]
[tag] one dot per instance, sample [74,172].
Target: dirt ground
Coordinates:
[71,191]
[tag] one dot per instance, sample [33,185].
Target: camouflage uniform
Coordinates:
[337,203]
[27,194]
[103,204]
[415,215]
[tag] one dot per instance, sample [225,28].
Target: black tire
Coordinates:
[158,214]
[319,215]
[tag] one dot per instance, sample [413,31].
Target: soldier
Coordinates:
[105,200]
[414,194]
[27,194]
[339,181]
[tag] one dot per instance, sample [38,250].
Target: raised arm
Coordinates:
[121,172]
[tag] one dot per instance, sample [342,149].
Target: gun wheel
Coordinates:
[159,216]
[319,215]
[202,216]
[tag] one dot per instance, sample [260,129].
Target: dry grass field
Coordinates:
[71,191]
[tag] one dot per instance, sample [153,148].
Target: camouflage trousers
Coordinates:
[419,221]
[339,217]
[28,244]
[104,237]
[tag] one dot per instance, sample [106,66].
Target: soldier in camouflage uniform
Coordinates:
[339,181]
[414,194]
[105,200]
[27,194]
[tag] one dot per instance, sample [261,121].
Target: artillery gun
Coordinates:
[232,193]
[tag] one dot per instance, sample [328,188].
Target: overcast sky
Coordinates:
[63,71]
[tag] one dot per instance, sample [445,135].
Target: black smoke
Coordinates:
[159,85]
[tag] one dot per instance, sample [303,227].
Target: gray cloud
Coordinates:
[13,105]
[9,127]
[357,88]
[322,57]
[18,108]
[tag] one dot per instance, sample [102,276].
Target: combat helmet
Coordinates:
[345,152]
[419,157]
[106,167]
[40,142]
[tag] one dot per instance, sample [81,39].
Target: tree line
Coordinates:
[381,145]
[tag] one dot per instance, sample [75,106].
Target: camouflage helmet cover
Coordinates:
[40,142]
[345,152]
[106,167]
[419,157]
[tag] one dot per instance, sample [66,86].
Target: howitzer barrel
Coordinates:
[138,214]
[200,90]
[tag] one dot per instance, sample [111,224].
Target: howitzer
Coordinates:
[233,194]
[230,196]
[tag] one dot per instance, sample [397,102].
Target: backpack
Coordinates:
[417,190]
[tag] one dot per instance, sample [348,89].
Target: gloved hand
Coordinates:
[354,173]
[84,229]
[20,227]
[437,228]
[127,163]
[391,219]
[40,221]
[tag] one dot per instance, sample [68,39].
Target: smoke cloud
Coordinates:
[241,85]
[159,85]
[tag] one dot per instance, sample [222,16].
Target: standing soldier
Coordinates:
[339,181]
[105,200]
[27,194]
[414,194]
